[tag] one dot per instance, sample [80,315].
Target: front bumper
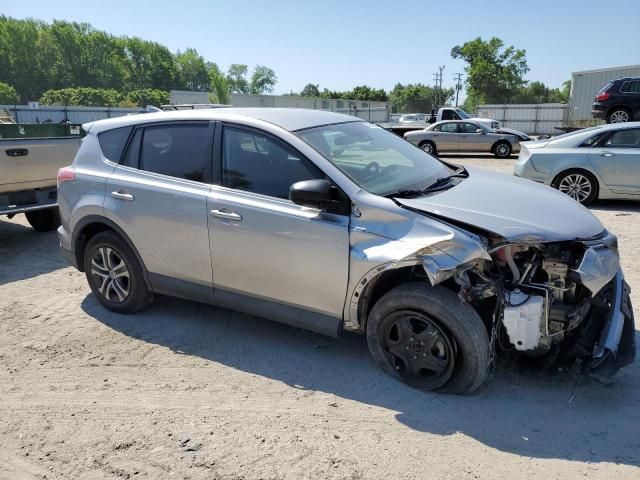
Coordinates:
[615,345]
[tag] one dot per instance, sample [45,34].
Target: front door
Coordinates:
[471,140]
[265,249]
[617,160]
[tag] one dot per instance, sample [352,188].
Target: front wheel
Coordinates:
[44,220]
[430,339]
[502,150]
[579,185]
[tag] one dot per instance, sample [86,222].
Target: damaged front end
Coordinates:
[560,300]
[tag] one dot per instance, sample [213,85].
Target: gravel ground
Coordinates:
[183,390]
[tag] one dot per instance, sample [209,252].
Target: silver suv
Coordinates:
[330,223]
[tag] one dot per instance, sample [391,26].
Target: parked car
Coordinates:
[30,156]
[329,223]
[458,136]
[618,101]
[457,113]
[599,162]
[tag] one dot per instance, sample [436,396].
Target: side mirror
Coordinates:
[311,193]
[479,130]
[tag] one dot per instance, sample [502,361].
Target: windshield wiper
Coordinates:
[443,182]
[404,193]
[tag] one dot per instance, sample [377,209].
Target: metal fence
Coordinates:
[534,119]
[61,114]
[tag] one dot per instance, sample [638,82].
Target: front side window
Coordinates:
[628,138]
[469,128]
[261,164]
[376,160]
[179,151]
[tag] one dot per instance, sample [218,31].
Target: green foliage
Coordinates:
[82,96]
[263,80]
[364,92]
[219,85]
[310,90]
[148,96]
[237,78]
[193,70]
[36,57]
[8,94]
[494,74]
[538,92]
[418,97]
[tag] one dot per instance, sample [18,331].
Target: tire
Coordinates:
[619,115]
[578,184]
[428,147]
[456,339]
[502,149]
[124,290]
[44,220]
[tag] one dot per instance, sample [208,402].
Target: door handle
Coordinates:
[120,195]
[226,214]
[17,152]
[606,154]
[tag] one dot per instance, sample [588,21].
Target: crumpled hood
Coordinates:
[512,207]
[510,131]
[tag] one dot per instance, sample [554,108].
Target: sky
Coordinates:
[341,44]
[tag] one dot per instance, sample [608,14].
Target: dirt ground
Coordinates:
[188,391]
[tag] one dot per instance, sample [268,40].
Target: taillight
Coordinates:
[66,174]
[601,97]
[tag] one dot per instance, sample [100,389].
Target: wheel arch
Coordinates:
[620,106]
[428,140]
[90,226]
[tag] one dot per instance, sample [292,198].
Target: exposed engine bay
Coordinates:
[552,298]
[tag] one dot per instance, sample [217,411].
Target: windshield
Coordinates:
[378,161]
[462,113]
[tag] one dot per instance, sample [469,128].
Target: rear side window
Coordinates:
[631,87]
[112,142]
[628,138]
[447,128]
[178,151]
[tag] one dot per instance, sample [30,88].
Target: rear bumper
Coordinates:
[28,200]
[616,346]
[64,240]
[598,111]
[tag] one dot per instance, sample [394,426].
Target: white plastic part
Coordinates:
[523,320]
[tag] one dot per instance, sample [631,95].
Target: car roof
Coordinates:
[291,119]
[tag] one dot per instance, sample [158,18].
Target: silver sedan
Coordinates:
[462,136]
[599,162]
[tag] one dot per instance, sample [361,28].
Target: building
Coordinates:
[368,110]
[585,85]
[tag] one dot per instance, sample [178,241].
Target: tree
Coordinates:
[364,92]
[219,85]
[8,94]
[237,78]
[82,96]
[494,73]
[310,90]
[263,80]
[417,97]
[148,96]
[192,70]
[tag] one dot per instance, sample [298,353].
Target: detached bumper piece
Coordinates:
[616,346]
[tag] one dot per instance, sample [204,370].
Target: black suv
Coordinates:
[618,101]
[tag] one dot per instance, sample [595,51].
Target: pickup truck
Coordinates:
[30,156]
[456,113]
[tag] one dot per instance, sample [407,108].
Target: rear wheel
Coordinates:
[114,274]
[428,147]
[619,115]
[44,220]
[579,185]
[502,149]
[428,338]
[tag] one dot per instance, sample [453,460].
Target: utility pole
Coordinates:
[435,89]
[440,78]
[458,77]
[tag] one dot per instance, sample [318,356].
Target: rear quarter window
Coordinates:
[112,142]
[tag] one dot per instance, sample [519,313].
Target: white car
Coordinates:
[599,162]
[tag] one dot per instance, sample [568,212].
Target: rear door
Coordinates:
[158,196]
[616,158]
[263,246]
[446,137]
